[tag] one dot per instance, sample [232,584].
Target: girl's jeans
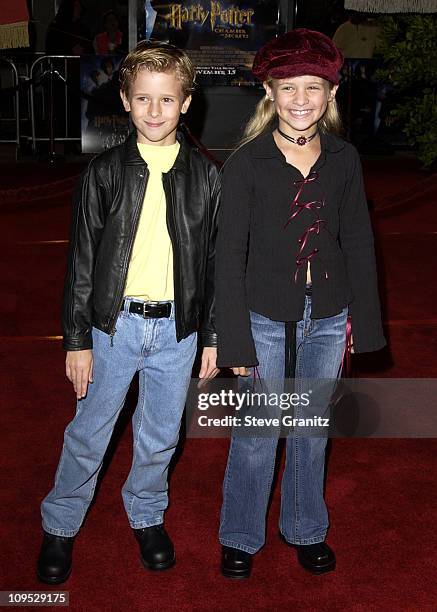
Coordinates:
[320,345]
[148,346]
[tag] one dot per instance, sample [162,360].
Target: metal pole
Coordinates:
[133,25]
[294,15]
[51,116]
[15,83]
[52,73]
[32,111]
[66,97]
[17,105]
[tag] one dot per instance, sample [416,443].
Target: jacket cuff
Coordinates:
[365,340]
[208,338]
[366,346]
[229,359]
[77,343]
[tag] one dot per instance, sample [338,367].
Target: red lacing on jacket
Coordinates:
[296,208]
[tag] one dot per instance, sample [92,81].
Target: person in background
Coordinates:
[357,37]
[110,40]
[68,34]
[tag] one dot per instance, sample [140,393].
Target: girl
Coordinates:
[294,256]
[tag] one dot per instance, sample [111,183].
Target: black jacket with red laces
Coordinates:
[273,221]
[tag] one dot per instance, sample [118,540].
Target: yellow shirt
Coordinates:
[150,274]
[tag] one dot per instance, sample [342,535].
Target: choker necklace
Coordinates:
[302,140]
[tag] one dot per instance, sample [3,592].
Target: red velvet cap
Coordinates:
[297,53]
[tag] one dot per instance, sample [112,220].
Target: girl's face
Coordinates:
[300,102]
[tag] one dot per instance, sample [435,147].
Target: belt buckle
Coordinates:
[147,305]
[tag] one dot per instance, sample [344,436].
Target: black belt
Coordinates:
[150,310]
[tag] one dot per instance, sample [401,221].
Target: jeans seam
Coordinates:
[58,471]
[91,495]
[226,479]
[296,484]
[296,447]
[96,475]
[156,331]
[270,479]
[145,347]
[142,396]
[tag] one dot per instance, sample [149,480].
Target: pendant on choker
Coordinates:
[301,141]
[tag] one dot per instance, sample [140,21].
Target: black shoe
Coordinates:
[55,559]
[156,548]
[236,563]
[316,558]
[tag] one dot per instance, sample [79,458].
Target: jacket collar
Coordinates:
[264,146]
[133,157]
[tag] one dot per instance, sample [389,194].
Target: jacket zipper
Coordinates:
[138,209]
[179,302]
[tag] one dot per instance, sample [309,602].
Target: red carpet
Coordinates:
[382,494]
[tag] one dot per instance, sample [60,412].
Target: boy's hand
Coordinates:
[79,370]
[208,368]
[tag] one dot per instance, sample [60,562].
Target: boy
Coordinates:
[139,285]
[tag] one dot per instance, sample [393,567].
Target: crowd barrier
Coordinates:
[10,66]
[46,74]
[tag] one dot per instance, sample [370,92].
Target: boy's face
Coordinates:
[155,102]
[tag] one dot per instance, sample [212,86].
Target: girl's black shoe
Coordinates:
[236,563]
[315,558]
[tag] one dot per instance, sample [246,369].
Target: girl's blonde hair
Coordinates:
[265,114]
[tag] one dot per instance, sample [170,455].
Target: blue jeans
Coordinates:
[148,346]
[246,489]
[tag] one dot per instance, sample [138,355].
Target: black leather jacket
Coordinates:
[107,207]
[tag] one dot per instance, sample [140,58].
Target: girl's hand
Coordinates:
[242,371]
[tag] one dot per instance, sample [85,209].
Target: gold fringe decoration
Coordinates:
[392,6]
[14,35]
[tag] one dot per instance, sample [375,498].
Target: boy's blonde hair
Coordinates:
[265,115]
[157,57]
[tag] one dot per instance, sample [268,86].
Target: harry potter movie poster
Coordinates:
[104,120]
[221,38]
